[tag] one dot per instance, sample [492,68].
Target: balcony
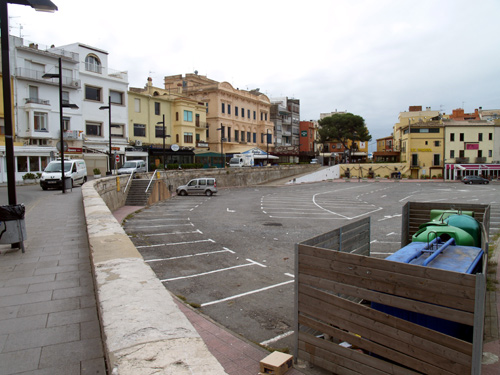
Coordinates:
[36,101]
[201,125]
[462,160]
[35,75]
[71,134]
[481,160]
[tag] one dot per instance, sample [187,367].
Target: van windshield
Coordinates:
[56,167]
[234,160]
[129,164]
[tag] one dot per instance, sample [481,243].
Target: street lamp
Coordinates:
[39,5]
[222,147]
[164,136]
[61,119]
[267,142]
[109,108]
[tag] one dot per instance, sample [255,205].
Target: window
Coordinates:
[65,97]
[452,154]
[479,153]
[159,131]
[254,115]
[188,137]
[137,105]
[242,136]
[490,136]
[116,97]
[236,134]
[93,128]
[248,137]
[22,164]
[462,137]
[461,153]
[261,137]
[93,93]
[139,130]
[188,116]
[229,109]
[452,137]
[248,114]
[197,120]
[490,153]
[480,137]
[436,143]
[93,64]
[2,126]
[157,108]
[40,122]
[176,116]
[228,134]
[254,137]
[236,111]
[261,116]
[117,130]
[437,159]
[33,94]
[243,112]
[66,123]
[266,116]
[223,108]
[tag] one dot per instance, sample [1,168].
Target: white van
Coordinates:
[132,166]
[74,168]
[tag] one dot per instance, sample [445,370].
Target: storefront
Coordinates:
[458,171]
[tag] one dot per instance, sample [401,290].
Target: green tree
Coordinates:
[344,127]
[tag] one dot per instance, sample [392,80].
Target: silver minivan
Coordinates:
[132,166]
[205,185]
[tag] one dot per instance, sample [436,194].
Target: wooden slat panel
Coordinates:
[389,300]
[380,327]
[395,267]
[445,367]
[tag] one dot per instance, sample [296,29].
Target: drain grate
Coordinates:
[273,224]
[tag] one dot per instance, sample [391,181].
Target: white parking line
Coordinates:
[174,243]
[164,225]
[246,294]
[168,233]
[274,339]
[190,255]
[214,271]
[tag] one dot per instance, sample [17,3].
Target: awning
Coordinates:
[483,167]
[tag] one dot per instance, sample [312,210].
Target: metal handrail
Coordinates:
[150,181]
[128,182]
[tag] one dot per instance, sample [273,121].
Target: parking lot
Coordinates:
[232,254]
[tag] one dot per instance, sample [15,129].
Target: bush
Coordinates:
[29,176]
[97,171]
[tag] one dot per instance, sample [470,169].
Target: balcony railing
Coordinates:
[481,160]
[461,160]
[201,124]
[35,75]
[36,101]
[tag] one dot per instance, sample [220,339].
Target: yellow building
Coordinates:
[185,123]
[237,120]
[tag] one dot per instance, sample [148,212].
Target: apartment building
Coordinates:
[385,151]
[236,120]
[285,115]
[152,109]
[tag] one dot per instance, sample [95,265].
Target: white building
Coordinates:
[87,82]
[99,84]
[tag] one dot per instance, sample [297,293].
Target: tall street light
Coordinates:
[39,5]
[267,141]
[222,146]
[110,156]
[61,118]
[164,136]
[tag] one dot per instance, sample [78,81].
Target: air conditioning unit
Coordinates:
[138,143]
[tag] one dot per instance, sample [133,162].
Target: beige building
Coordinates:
[237,120]
[185,123]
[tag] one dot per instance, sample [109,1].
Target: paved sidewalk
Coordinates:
[48,315]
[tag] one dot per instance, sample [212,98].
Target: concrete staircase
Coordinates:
[494,219]
[137,195]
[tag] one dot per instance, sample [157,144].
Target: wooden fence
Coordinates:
[339,328]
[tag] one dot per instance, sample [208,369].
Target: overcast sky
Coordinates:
[372,58]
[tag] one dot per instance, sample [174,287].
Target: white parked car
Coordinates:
[132,166]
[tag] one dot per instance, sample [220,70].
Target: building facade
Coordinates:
[285,115]
[185,124]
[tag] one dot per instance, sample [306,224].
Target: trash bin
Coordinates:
[12,226]
[68,183]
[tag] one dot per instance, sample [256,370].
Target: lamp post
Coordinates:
[61,119]
[164,136]
[267,142]
[222,147]
[108,107]
[39,5]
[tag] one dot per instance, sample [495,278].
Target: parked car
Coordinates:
[207,186]
[132,166]
[76,169]
[475,180]
[314,161]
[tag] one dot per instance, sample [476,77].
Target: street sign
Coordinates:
[174,147]
[117,158]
